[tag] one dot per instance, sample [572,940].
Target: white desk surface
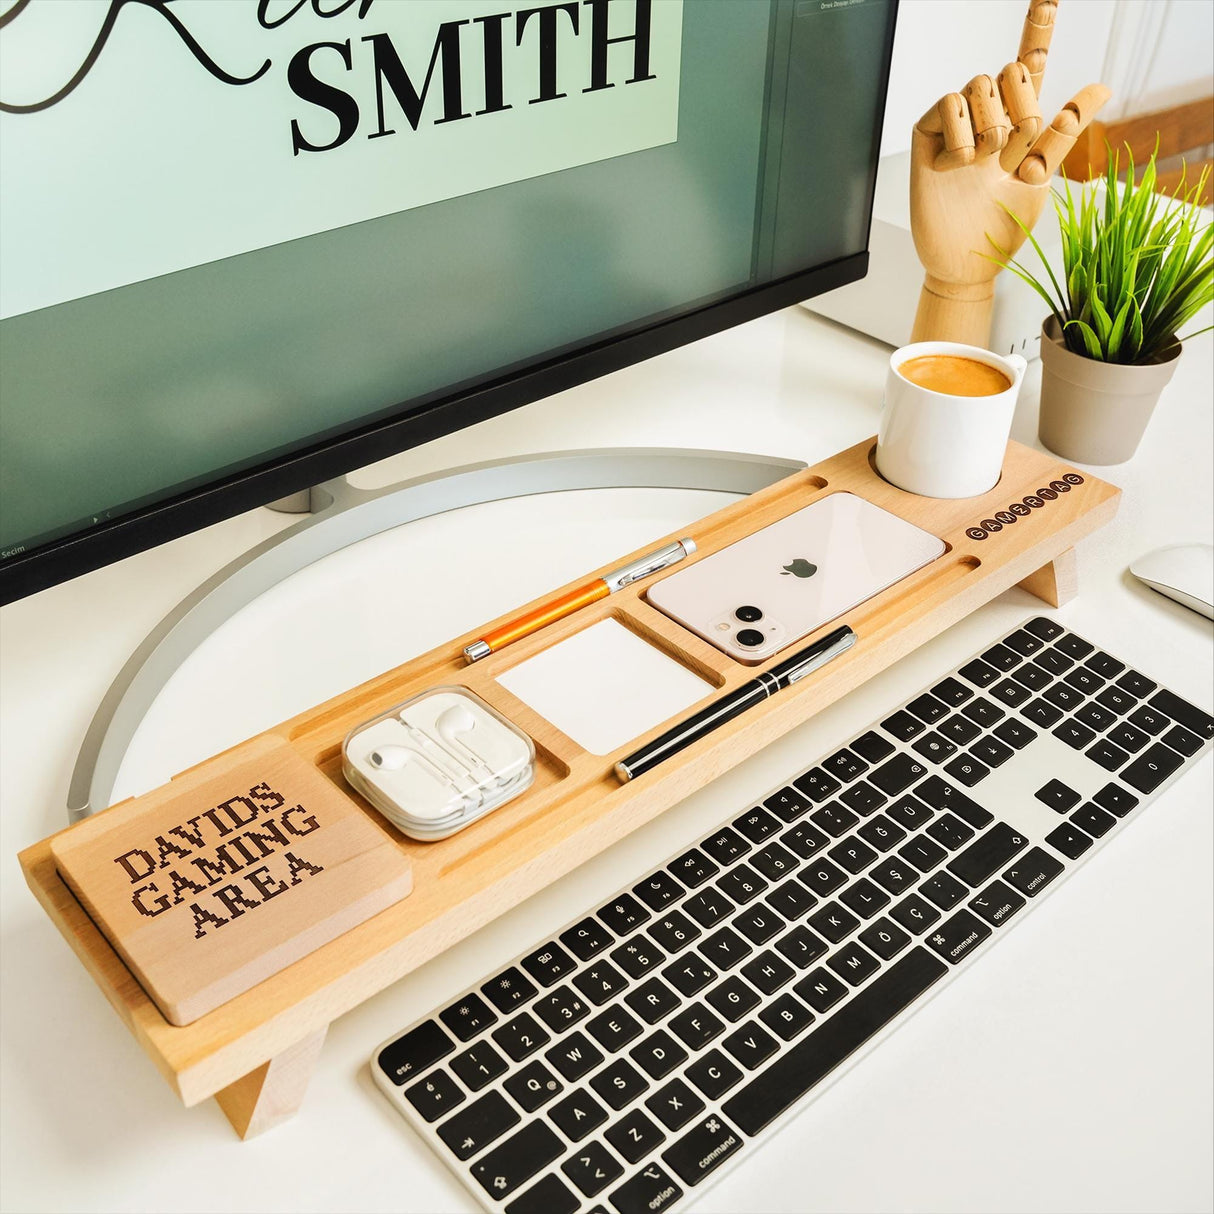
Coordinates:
[1071,1070]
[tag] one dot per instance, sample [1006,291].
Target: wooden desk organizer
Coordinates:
[255,1052]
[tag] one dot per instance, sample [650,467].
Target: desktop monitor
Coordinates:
[252,246]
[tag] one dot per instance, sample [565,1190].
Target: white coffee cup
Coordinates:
[938,445]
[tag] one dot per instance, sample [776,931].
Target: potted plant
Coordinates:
[1137,266]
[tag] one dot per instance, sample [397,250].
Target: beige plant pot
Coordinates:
[1094,412]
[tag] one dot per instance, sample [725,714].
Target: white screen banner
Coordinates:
[140,137]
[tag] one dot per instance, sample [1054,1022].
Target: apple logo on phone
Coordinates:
[800,568]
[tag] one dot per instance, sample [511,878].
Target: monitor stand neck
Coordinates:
[337,514]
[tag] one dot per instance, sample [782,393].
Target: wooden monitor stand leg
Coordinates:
[1057,582]
[272,1093]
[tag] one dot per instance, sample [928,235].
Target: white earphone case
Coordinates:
[438,762]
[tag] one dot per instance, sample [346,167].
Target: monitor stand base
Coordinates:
[337,514]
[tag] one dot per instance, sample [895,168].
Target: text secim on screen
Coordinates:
[250,246]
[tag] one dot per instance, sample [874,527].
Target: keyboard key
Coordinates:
[944,890]
[853,963]
[702,1150]
[521,1037]
[592,1169]
[418,1049]
[614,1028]
[1181,739]
[696,1026]
[708,908]
[468,1017]
[1152,768]
[979,673]
[915,914]
[997,903]
[804,840]
[624,914]
[1116,800]
[757,825]
[689,974]
[801,947]
[658,1054]
[881,833]
[1104,665]
[759,924]
[517,1159]
[1063,696]
[1094,820]
[577,1115]
[894,876]
[1001,657]
[956,937]
[935,748]
[775,862]
[897,774]
[714,1074]
[742,884]
[650,1189]
[1073,734]
[562,1009]
[910,812]
[788,804]
[1011,693]
[1014,733]
[1095,716]
[872,747]
[658,891]
[619,1083]
[903,726]
[732,998]
[549,1196]
[817,785]
[675,1105]
[1188,715]
[1084,680]
[1033,872]
[833,922]
[863,798]
[821,989]
[982,712]
[949,831]
[844,765]
[751,1045]
[508,989]
[884,938]
[1136,684]
[587,939]
[1073,646]
[983,858]
[725,846]
[1058,796]
[636,1136]
[1147,718]
[435,1096]
[1069,840]
[864,898]
[1041,712]
[796,1071]
[791,899]
[1109,757]
[725,949]
[959,729]
[574,1057]
[852,854]
[475,1127]
[923,853]
[533,1086]
[693,868]
[951,692]
[927,708]
[1116,699]
[636,957]
[1044,629]
[1054,662]
[549,964]
[653,1000]
[674,931]
[1023,642]
[991,751]
[822,877]
[478,1065]
[787,1017]
[601,981]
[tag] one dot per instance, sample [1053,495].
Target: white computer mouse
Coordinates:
[1184,573]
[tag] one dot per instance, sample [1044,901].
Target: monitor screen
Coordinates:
[250,246]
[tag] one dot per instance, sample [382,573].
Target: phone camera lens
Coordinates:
[748,615]
[750,637]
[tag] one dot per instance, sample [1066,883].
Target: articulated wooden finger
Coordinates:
[1020,101]
[1059,137]
[951,117]
[986,115]
[1035,38]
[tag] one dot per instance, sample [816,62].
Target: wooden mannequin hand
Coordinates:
[972,154]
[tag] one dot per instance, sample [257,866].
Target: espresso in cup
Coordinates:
[954,376]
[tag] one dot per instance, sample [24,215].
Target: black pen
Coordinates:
[783,674]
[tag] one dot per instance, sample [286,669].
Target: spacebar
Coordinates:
[794,1073]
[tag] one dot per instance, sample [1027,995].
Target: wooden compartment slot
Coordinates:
[253,1051]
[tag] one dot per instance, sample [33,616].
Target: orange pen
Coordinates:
[580,596]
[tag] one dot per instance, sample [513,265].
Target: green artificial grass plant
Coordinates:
[1137,265]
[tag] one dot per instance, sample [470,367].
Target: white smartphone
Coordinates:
[772,588]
